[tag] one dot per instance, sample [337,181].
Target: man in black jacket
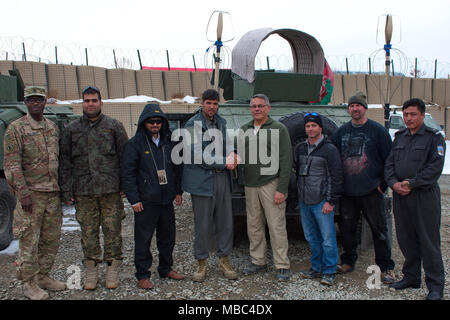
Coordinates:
[319,183]
[151,182]
[412,171]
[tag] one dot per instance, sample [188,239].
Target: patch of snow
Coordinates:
[130,99]
[12,249]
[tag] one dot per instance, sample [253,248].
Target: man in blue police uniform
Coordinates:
[412,170]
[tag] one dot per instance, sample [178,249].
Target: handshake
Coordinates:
[232,161]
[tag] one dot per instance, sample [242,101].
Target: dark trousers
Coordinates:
[372,207]
[161,218]
[417,223]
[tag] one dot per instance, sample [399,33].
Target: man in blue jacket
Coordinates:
[207,178]
[151,182]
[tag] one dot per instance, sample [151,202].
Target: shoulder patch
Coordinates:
[440,150]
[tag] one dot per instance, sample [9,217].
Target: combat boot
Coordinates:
[45,282]
[200,274]
[226,268]
[112,274]
[32,291]
[91,275]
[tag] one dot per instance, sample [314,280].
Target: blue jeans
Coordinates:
[320,233]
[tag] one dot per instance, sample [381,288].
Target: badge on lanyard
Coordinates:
[162,178]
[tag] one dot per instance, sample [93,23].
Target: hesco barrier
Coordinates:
[65,82]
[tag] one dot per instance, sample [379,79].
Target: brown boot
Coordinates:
[45,282]
[226,268]
[32,291]
[200,274]
[91,275]
[112,274]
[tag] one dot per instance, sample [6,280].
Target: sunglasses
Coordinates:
[90,88]
[260,106]
[153,121]
[315,114]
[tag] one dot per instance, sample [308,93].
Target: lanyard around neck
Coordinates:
[153,157]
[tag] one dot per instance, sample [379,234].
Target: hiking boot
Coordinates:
[226,268]
[32,291]
[328,279]
[200,273]
[45,282]
[91,275]
[112,274]
[344,268]
[388,277]
[254,268]
[283,274]
[311,274]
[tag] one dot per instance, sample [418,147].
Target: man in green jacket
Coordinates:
[91,156]
[264,147]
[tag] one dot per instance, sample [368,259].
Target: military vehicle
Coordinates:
[13,108]
[308,88]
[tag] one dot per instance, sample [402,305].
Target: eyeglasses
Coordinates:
[315,114]
[90,88]
[259,106]
[153,121]
[34,99]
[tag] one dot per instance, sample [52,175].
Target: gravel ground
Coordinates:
[260,287]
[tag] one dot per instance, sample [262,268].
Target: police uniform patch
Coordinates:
[440,150]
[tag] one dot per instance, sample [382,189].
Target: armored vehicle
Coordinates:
[13,108]
[307,88]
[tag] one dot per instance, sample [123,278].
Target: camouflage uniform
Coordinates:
[91,154]
[31,169]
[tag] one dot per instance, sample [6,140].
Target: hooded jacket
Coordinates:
[139,174]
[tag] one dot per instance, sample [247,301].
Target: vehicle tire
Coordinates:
[295,124]
[7,205]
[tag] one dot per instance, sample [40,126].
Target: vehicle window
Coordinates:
[430,122]
[396,122]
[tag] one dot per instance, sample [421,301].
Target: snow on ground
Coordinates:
[132,99]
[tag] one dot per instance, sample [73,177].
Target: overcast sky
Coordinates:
[343,27]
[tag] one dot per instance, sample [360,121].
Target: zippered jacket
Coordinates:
[319,174]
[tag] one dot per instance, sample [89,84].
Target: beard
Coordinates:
[91,115]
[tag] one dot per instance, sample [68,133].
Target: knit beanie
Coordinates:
[313,117]
[359,98]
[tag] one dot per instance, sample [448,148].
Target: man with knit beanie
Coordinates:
[364,146]
[318,170]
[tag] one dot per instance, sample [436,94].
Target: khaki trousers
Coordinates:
[261,208]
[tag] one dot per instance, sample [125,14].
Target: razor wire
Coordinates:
[29,49]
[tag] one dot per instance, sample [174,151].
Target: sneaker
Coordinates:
[254,268]
[328,279]
[388,277]
[283,274]
[311,274]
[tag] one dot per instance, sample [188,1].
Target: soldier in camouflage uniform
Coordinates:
[91,153]
[31,169]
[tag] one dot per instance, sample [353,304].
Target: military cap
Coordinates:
[34,91]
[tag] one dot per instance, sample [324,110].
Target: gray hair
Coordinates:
[262,96]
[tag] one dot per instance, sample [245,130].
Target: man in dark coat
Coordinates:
[412,170]
[151,181]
